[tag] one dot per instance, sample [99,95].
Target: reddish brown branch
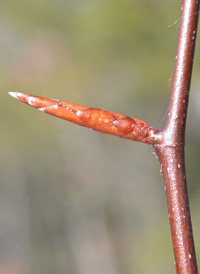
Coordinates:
[171,150]
[173,169]
[175,126]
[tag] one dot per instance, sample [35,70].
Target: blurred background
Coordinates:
[74,201]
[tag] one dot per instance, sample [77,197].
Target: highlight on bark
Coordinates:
[97,119]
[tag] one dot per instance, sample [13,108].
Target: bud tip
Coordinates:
[14,94]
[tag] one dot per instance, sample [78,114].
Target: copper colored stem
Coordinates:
[171,149]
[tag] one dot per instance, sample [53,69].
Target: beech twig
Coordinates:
[169,143]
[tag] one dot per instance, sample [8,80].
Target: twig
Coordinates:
[171,150]
[168,143]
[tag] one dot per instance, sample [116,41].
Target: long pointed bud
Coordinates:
[100,120]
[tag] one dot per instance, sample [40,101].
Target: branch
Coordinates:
[171,149]
[175,125]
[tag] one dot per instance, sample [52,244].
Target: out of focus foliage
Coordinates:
[72,200]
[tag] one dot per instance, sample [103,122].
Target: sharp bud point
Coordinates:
[15,94]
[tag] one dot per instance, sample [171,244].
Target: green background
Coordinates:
[74,201]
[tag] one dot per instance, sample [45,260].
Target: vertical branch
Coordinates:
[176,119]
[171,150]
